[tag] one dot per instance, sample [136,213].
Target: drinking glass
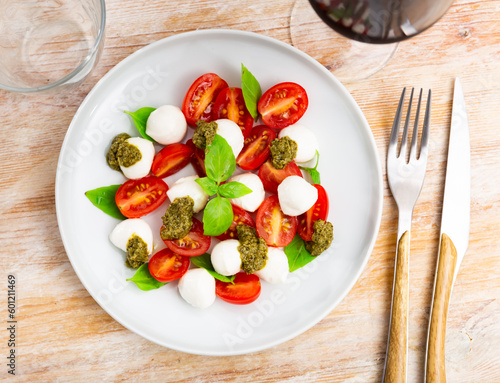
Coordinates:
[357,38]
[49,45]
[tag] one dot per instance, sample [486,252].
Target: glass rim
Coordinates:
[75,71]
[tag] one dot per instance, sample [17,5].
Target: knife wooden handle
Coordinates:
[447,262]
[396,360]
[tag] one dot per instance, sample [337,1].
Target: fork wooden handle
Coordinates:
[397,349]
[447,262]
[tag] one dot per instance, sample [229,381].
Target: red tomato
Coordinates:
[272,177]
[275,227]
[245,290]
[240,216]
[200,97]
[282,105]
[166,266]
[136,198]
[171,159]
[193,244]
[256,149]
[230,104]
[198,159]
[318,211]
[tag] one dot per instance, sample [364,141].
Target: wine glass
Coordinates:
[373,29]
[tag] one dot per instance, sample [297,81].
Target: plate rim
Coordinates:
[367,133]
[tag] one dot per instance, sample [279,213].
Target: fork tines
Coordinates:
[425,130]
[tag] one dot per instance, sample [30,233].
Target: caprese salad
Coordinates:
[248,204]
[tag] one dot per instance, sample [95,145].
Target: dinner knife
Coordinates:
[454,238]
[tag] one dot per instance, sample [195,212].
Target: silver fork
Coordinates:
[405,180]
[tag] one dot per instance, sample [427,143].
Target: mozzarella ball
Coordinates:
[166,125]
[126,229]
[296,195]
[307,144]
[197,287]
[187,186]
[251,201]
[232,133]
[142,167]
[226,258]
[276,268]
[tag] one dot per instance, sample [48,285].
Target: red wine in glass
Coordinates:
[355,39]
[380,21]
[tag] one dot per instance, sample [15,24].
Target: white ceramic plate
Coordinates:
[161,74]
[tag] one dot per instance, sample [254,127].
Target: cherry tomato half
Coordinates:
[166,266]
[256,149]
[200,97]
[230,104]
[318,211]
[136,198]
[240,216]
[171,159]
[193,244]
[272,177]
[283,104]
[274,226]
[197,159]
[245,290]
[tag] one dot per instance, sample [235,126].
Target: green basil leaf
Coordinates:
[251,91]
[297,254]
[315,177]
[217,217]
[313,172]
[204,262]
[207,184]
[104,199]
[140,117]
[144,280]
[234,190]
[219,160]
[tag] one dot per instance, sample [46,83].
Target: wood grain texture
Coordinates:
[66,336]
[397,349]
[447,263]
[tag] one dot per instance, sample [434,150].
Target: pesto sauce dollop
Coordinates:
[137,252]
[111,156]
[178,219]
[283,151]
[321,239]
[121,153]
[253,250]
[204,134]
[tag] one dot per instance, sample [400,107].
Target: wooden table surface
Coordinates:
[64,335]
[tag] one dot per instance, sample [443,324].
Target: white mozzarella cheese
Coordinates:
[276,268]
[126,229]
[166,125]
[251,201]
[226,258]
[142,167]
[187,186]
[197,287]
[307,144]
[296,195]
[232,133]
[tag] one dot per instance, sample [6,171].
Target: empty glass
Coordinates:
[51,44]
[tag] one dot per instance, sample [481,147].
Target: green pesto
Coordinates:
[128,154]
[178,219]
[137,252]
[283,151]
[111,156]
[253,250]
[321,239]
[204,134]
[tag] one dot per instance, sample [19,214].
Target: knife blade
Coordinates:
[454,238]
